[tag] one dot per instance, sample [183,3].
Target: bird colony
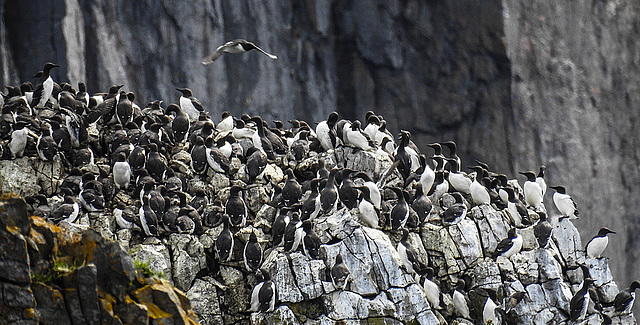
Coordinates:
[270,222]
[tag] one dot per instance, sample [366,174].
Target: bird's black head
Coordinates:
[559,188]
[512,233]
[531,176]
[634,285]
[605,231]
[186,92]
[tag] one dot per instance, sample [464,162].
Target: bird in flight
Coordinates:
[234,47]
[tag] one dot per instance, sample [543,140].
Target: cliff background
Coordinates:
[515,83]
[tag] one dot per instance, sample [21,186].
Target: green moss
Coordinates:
[60,269]
[144,268]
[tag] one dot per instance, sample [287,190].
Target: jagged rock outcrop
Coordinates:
[516,83]
[72,275]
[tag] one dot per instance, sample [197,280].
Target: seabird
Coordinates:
[124,109]
[155,164]
[310,241]
[279,225]
[508,246]
[326,133]
[148,218]
[540,179]
[564,203]
[234,47]
[293,233]
[489,309]
[452,152]
[431,288]
[199,161]
[226,122]
[459,181]
[532,190]
[340,274]
[252,253]
[322,172]
[460,301]
[516,209]
[428,176]
[374,191]
[189,104]
[580,302]
[456,210]
[367,208]
[329,194]
[180,124]
[597,244]
[542,230]
[224,242]
[256,163]
[292,190]
[358,138]
[18,141]
[268,294]
[624,299]
[400,212]
[408,255]
[421,204]
[479,193]
[236,208]
[311,206]
[218,162]
[409,160]
[121,171]
[513,300]
[44,87]
[68,211]
[347,191]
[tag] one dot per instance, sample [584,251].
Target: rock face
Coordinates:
[501,78]
[64,275]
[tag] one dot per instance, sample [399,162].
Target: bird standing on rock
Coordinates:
[400,212]
[532,190]
[340,275]
[564,203]
[624,299]
[252,253]
[509,246]
[597,244]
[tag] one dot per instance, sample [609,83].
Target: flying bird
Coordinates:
[234,47]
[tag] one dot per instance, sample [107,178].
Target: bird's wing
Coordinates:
[211,58]
[271,56]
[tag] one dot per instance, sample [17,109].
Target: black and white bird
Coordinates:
[293,233]
[121,172]
[180,124]
[326,133]
[235,46]
[460,303]
[431,288]
[459,181]
[310,241]
[224,242]
[264,294]
[540,179]
[542,230]
[217,160]
[532,190]
[252,253]
[515,207]
[347,191]
[236,208]
[329,195]
[189,104]
[409,256]
[489,315]
[479,193]
[311,206]
[509,246]
[340,275]
[292,190]
[18,143]
[400,212]
[624,299]
[68,211]
[44,87]
[358,138]
[598,244]
[148,218]
[580,301]
[374,191]
[256,163]
[564,203]
[367,209]
[456,210]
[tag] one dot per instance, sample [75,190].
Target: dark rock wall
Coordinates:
[517,84]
